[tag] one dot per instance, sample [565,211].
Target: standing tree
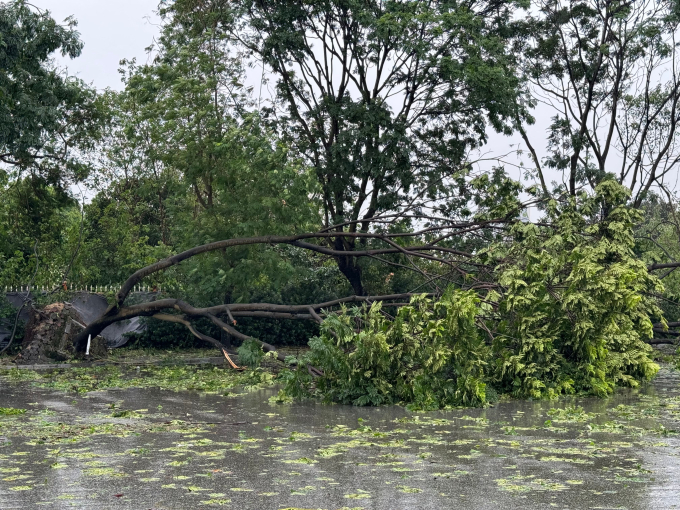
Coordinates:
[47,119]
[189,162]
[48,124]
[609,71]
[383,99]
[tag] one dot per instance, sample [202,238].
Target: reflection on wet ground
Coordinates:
[158,449]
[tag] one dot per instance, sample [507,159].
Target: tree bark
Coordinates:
[352,271]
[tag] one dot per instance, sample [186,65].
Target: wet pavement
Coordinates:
[158,449]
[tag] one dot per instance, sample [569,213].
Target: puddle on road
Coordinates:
[150,448]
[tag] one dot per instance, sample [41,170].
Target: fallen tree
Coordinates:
[570,313]
[561,306]
[455,260]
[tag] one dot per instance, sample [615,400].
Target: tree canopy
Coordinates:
[46,119]
[49,123]
[383,100]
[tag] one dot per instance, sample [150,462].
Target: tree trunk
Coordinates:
[348,266]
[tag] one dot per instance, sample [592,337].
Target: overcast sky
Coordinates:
[111,30]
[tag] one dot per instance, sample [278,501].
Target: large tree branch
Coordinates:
[295,240]
[264,310]
[665,265]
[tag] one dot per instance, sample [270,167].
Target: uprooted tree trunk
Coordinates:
[50,333]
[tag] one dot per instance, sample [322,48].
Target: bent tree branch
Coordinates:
[118,312]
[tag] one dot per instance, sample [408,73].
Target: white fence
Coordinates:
[96,289]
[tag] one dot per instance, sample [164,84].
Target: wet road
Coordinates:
[156,449]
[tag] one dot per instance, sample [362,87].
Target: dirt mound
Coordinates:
[50,333]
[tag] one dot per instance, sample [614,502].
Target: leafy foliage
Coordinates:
[33,212]
[575,308]
[208,379]
[250,354]
[572,315]
[429,356]
[657,241]
[46,119]
[49,124]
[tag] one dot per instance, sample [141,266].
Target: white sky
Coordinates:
[111,30]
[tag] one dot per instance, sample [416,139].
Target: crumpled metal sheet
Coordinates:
[91,306]
[15,299]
